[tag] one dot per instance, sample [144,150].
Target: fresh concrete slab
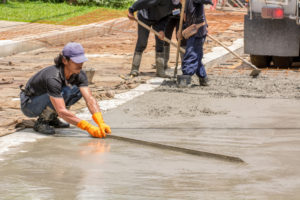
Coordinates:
[71,165]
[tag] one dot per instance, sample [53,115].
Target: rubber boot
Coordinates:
[136,62]
[160,70]
[166,56]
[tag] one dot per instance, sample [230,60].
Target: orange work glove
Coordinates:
[92,130]
[97,117]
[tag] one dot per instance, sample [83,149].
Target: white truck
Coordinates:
[272,32]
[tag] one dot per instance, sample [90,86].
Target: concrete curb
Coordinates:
[220,54]
[32,42]
[10,47]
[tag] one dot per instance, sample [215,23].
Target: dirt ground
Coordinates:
[110,55]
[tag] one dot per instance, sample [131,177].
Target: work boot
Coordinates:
[56,123]
[203,81]
[160,70]
[42,126]
[136,62]
[166,56]
[52,118]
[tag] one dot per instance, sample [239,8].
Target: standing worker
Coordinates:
[51,91]
[172,23]
[154,14]
[192,61]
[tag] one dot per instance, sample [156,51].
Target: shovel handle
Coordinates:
[232,52]
[157,34]
[179,39]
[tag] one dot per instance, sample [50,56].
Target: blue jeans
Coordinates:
[192,61]
[33,107]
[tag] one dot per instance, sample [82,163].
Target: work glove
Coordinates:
[92,130]
[97,117]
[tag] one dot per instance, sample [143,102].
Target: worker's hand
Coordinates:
[92,130]
[161,35]
[97,117]
[130,16]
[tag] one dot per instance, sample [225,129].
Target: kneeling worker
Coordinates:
[51,91]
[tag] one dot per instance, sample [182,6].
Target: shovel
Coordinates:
[255,72]
[179,39]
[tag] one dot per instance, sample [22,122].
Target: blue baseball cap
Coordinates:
[75,52]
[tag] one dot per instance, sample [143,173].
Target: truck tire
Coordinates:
[260,61]
[282,61]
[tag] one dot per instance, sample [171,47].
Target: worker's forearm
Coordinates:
[92,105]
[69,117]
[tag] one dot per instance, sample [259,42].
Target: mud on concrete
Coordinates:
[236,82]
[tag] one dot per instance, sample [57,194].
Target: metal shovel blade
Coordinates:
[255,73]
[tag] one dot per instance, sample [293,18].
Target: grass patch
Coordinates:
[56,13]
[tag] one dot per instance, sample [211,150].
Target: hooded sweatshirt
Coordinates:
[152,10]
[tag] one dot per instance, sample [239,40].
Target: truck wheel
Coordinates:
[260,61]
[282,61]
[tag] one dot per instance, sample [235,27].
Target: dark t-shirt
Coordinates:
[195,14]
[51,80]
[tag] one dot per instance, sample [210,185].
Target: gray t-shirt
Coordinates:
[51,80]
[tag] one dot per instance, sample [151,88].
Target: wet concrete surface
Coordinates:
[264,132]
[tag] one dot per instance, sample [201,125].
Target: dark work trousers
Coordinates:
[143,35]
[192,61]
[173,23]
[33,107]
